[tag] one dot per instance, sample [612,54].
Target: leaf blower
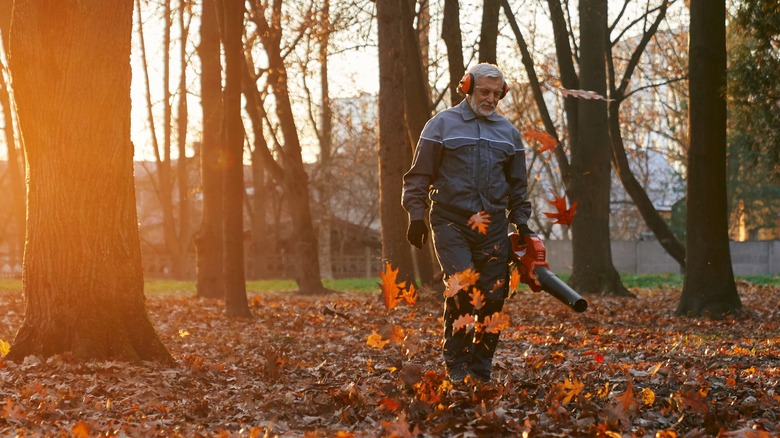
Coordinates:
[531,258]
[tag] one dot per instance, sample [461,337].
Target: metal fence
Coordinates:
[631,257]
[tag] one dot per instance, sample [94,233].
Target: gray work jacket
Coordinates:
[467,164]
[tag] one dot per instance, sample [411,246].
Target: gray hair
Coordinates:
[485,70]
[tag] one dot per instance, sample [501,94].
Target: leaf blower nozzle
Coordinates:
[530,256]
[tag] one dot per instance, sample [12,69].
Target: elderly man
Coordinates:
[470,164]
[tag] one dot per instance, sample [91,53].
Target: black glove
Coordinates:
[523,229]
[417,233]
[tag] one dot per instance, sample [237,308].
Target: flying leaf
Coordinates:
[468,277]
[477,299]
[583,94]
[390,289]
[547,141]
[462,322]
[480,222]
[460,280]
[375,340]
[409,295]
[514,279]
[563,215]
[5,347]
[496,322]
[453,286]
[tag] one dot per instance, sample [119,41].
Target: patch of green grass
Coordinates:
[652,281]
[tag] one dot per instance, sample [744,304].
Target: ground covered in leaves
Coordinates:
[342,365]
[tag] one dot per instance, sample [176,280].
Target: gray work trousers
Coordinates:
[458,248]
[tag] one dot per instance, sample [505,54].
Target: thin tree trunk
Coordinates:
[236,303]
[209,242]
[709,288]
[326,150]
[185,233]
[296,183]
[15,165]
[83,277]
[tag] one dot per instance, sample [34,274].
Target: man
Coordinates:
[470,164]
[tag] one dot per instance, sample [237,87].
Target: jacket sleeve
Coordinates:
[519,205]
[425,165]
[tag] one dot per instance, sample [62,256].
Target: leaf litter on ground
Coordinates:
[304,366]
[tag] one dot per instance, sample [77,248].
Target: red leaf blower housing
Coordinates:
[530,256]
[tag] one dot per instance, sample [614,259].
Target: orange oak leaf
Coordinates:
[563,215]
[514,279]
[390,289]
[496,322]
[547,141]
[468,277]
[375,340]
[462,322]
[480,222]
[409,295]
[477,299]
[460,280]
[453,286]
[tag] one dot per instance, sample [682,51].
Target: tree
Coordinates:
[296,184]
[417,111]
[395,155]
[236,303]
[753,89]
[451,35]
[209,239]
[83,279]
[592,270]
[488,36]
[709,288]
[176,237]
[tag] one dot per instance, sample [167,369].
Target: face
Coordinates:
[487,93]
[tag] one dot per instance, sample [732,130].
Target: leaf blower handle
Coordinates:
[530,256]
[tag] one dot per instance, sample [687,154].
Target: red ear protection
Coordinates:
[467,85]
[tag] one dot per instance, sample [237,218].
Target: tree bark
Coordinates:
[592,270]
[209,239]
[488,35]
[83,278]
[392,147]
[709,288]
[236,303]
[450,33]
[417,110]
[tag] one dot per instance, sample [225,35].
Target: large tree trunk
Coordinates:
[709,288]
[392,147]
[450,33]
[83,278]
[236,303]
[417,108]
[592,270]
[209,241]
[488,35]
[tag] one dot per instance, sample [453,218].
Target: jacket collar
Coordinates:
[468,114]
